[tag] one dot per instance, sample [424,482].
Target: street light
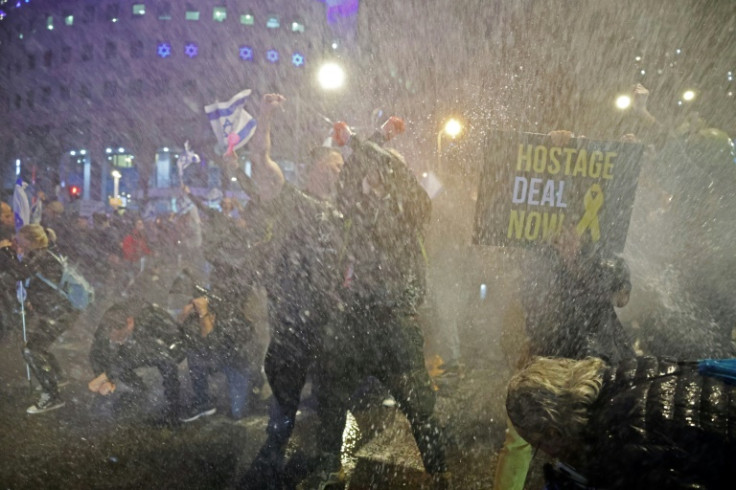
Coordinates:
[623,102]
[331,76]
[452,128]
[116,183]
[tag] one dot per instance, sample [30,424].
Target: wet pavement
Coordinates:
[94,443]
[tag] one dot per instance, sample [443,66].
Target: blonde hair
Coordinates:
[555,393]
[35,236]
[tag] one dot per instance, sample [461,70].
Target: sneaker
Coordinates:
[198,411]
[45,404]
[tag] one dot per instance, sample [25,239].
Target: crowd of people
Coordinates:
[343,265]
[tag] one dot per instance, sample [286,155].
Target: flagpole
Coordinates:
[22,298]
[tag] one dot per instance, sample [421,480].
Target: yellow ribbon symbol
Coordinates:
[592,201]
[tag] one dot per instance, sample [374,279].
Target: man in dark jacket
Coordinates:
[217,345]
[296,258]
[383,273]
[130,337]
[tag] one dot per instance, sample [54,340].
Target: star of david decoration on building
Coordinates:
[191,50]
[272,55]
[164,50]
[297,59]
[246,53]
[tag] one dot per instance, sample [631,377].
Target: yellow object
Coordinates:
[513,461]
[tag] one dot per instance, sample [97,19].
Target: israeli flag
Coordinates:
[231,118]
[21,205]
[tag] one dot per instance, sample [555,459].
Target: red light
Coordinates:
[74,190]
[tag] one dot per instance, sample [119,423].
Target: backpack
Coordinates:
[73,286]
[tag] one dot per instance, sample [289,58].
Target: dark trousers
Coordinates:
[42,363]
[290,354]
[203,362]
[383,343]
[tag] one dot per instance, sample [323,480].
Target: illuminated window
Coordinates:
[121,160]
[273,22]
[164,11]
[50,22]
[139,10]
[247,19]
[69,19]
[297,27]
[192,15]
[219,14]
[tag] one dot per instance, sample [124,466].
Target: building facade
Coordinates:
[92,89]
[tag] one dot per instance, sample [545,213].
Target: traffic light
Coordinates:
[75,192]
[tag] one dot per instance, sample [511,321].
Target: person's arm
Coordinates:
[206,317]
[267,175]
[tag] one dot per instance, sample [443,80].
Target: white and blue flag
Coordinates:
[21,205]
[231,123]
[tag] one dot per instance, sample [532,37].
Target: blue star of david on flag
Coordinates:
[231,117]
[272,55]
[164,50]
[297,59]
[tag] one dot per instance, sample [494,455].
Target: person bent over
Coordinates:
[130,337]
[218,345]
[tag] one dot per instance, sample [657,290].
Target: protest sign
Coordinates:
[530,189]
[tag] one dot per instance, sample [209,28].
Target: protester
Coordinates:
[133,335]
[49,313]
[135,249]
[302,232]
[383,283]
[217,346]
[645,423]
[7,281]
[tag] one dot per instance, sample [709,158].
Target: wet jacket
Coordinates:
[156,337]
[43,299]
[228,340]
[383,261]
[569,310]
[659,424]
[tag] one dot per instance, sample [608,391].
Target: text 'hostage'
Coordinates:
[531,225]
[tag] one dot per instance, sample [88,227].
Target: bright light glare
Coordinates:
[623,102]
[115,174]
[688,95]
[331,76]
[453,128]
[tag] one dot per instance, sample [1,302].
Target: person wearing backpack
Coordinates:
[49,312]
